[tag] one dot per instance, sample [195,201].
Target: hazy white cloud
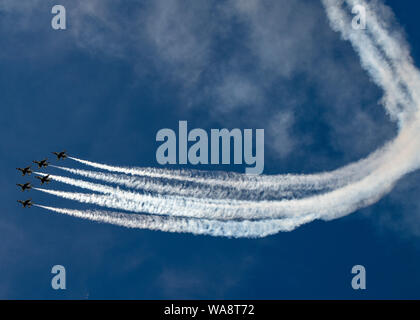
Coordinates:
[279,131]
[181,33]
[236,91]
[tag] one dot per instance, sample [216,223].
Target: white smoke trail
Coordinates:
[147,198]
[371,59]
[147,204]
[332,204]
[270,186]
[236,229]
[180,188]
[395,49]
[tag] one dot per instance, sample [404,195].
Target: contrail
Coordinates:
[147,204]
[267,186]
[158,204]
[336,203]
[396,50]
[181,208]
[235,229]
[371,57]
[181,188]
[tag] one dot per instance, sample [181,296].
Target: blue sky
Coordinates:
[125,69]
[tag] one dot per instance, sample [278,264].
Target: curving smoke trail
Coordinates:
[387,60]
[181,188]
[336,203]
[264,185]
[378,57]
[396,50]
[235,229]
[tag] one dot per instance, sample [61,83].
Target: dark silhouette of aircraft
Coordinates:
[42,163]
[44,178]
[25,171]
[26,203]
[26,186]
[60,155]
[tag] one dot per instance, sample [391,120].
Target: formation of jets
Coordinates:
[43,179]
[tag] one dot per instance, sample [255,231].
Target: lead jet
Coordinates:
[25,171]
[42,163]
[60,155]
[26,203]
[44,178]
[26,186]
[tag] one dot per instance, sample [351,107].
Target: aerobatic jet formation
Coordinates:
[42,178]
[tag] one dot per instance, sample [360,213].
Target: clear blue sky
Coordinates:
[125,69]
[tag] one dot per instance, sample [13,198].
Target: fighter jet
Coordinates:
[26,186]
[60,155]
[26,203]
[44,178]
[25,171]
[42,163]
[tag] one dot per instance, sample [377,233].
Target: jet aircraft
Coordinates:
[42,163]
[26,203]
[25,171]
[26,186]
[60,155]
[43,179]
